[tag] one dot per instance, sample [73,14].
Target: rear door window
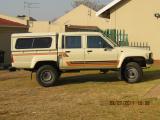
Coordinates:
[72,42]
[33,43]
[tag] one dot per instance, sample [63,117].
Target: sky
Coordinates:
[48,9]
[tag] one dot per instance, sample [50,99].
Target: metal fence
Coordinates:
[144,45]
[121,38]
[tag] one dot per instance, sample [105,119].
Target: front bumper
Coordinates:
[149,61]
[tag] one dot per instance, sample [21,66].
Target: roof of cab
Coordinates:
[53,34]
[32,34]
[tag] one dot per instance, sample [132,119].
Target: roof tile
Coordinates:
[5,22]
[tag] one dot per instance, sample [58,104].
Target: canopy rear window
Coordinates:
[33,43]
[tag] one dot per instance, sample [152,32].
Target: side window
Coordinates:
[24,43]
[72,42]
[97,42]
[42,42]
[33,43]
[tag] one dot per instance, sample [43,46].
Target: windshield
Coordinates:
[115,45]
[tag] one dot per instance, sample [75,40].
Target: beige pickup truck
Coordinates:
[50,54]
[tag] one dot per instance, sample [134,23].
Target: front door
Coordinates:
[99,53]
[73,52]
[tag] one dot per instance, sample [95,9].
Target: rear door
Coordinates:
[73,52]
[99,53]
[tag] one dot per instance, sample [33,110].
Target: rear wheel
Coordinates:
[133,72]
[47,76]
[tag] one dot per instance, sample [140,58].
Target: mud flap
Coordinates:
[120,77]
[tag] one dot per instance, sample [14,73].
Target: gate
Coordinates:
[1,56]
[118,36]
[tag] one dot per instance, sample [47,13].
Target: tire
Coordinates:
[47,76]
[132,72]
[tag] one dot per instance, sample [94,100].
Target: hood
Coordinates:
[133,49]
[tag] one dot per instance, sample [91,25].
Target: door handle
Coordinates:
[89,51]
[67,51]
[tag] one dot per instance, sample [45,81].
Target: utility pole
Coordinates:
[29,6]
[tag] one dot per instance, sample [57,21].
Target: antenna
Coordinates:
[29,6]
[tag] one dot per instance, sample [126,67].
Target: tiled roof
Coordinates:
[9,23]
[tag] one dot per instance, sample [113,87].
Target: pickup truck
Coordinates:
[51,54]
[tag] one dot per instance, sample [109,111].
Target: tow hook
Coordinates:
[12,69]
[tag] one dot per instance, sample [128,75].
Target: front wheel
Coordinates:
[133,72]
[47,76]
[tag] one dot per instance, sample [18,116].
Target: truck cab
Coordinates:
[87,51]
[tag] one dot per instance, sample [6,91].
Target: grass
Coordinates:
[79,96]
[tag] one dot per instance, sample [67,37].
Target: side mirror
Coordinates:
[105,49]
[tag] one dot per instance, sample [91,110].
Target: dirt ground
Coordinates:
[79,96]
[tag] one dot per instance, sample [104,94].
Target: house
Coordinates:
[81,18]
[139,18]
[9,25]
[39,26]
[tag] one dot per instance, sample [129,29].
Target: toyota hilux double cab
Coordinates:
[51,54]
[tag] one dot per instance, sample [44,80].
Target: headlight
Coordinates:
[150,55]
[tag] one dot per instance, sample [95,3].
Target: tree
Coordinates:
[93,4]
